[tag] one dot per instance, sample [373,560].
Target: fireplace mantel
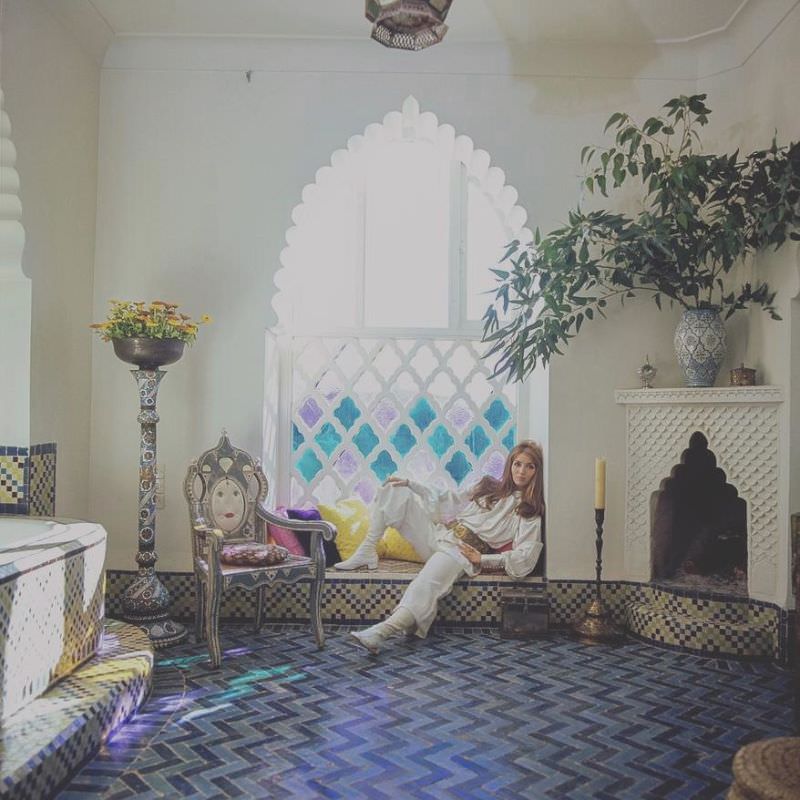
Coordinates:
[746,429]
[684,396]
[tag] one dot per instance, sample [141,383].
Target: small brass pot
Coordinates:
[743,376]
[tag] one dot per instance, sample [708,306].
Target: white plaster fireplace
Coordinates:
[746,429]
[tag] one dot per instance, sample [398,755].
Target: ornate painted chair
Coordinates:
[226,490]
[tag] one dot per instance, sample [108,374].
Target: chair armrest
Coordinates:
[213,538]
[325,529]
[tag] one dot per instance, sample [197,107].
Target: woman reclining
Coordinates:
[494,524]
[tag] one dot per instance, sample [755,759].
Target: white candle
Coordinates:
[599,483]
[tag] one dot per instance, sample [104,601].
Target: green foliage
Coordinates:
[700,214]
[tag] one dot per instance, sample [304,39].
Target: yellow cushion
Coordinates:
[351,518]
[395,545]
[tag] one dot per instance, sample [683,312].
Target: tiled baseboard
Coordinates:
[363,597]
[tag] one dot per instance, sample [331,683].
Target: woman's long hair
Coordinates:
[489,490]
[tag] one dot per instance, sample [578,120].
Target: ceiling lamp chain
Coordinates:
[408,24]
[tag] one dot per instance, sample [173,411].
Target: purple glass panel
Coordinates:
[459,415]
[365,489]
[346,465]
[494,465]
[385,414]
[310,412]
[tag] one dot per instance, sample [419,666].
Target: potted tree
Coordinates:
[699,215]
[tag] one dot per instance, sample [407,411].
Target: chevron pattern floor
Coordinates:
[461,715]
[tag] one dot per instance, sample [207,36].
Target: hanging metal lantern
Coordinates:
[408,24]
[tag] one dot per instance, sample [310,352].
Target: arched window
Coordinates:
[374,366]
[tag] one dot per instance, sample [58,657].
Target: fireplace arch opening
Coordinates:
[699,523]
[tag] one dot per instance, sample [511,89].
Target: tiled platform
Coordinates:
[733,625]
[462,715]
[43,744]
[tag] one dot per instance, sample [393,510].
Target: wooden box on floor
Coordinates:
[525,613]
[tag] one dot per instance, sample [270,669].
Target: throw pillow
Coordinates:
[252,554]
[284,537]
[395,545]
[351,518]
[331,553]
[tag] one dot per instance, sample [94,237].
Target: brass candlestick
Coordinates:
[597,625]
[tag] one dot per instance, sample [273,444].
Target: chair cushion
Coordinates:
[253,554]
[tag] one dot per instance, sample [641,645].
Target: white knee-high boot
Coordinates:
[400,621]
[365,555]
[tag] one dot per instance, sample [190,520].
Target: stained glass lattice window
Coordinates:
[363,409]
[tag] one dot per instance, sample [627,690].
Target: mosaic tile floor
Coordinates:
[461,715]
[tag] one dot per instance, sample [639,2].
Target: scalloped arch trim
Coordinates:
[12,234]
[409,123]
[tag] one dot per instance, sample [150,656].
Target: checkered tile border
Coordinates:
[43,744]
[28,479]
[695,623]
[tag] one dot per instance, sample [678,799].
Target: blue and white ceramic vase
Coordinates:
[700,345]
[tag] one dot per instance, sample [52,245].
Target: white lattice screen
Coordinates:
[363,409]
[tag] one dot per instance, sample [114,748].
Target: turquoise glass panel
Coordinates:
[497,414]
[297,437]
[477,441]
[383,466]
[458,467]
[327,438]
[510,437]
[309,465]
[347,412]
[365,440]
[440,440]
[403,439]
[422,413]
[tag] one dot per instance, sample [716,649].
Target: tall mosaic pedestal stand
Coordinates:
[146,601]
[598,626]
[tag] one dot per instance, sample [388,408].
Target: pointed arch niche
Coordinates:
[374,365]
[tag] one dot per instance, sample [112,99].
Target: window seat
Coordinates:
[366,595]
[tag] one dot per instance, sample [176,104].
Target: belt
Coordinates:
[462,532]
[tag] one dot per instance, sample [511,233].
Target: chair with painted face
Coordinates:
[226,490]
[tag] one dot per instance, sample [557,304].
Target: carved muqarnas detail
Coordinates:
[699,522]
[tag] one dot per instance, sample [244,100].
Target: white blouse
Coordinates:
[497,526]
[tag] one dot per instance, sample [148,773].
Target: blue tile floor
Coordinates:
[461,715]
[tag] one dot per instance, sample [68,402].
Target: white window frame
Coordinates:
[473,165]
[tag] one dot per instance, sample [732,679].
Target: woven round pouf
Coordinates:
[767,770]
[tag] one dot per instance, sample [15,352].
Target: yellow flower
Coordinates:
[156,320]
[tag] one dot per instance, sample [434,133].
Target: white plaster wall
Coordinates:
[52,95]
[752,103]
[198,173]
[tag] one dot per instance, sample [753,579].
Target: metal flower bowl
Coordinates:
[148,353]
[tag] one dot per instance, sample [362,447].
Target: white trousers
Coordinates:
[398,507]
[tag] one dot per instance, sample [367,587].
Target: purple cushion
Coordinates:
[308,514]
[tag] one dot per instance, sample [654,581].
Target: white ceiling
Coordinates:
[598,21]
[619,27]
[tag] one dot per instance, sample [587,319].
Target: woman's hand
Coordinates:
[395,481]
[470,553]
